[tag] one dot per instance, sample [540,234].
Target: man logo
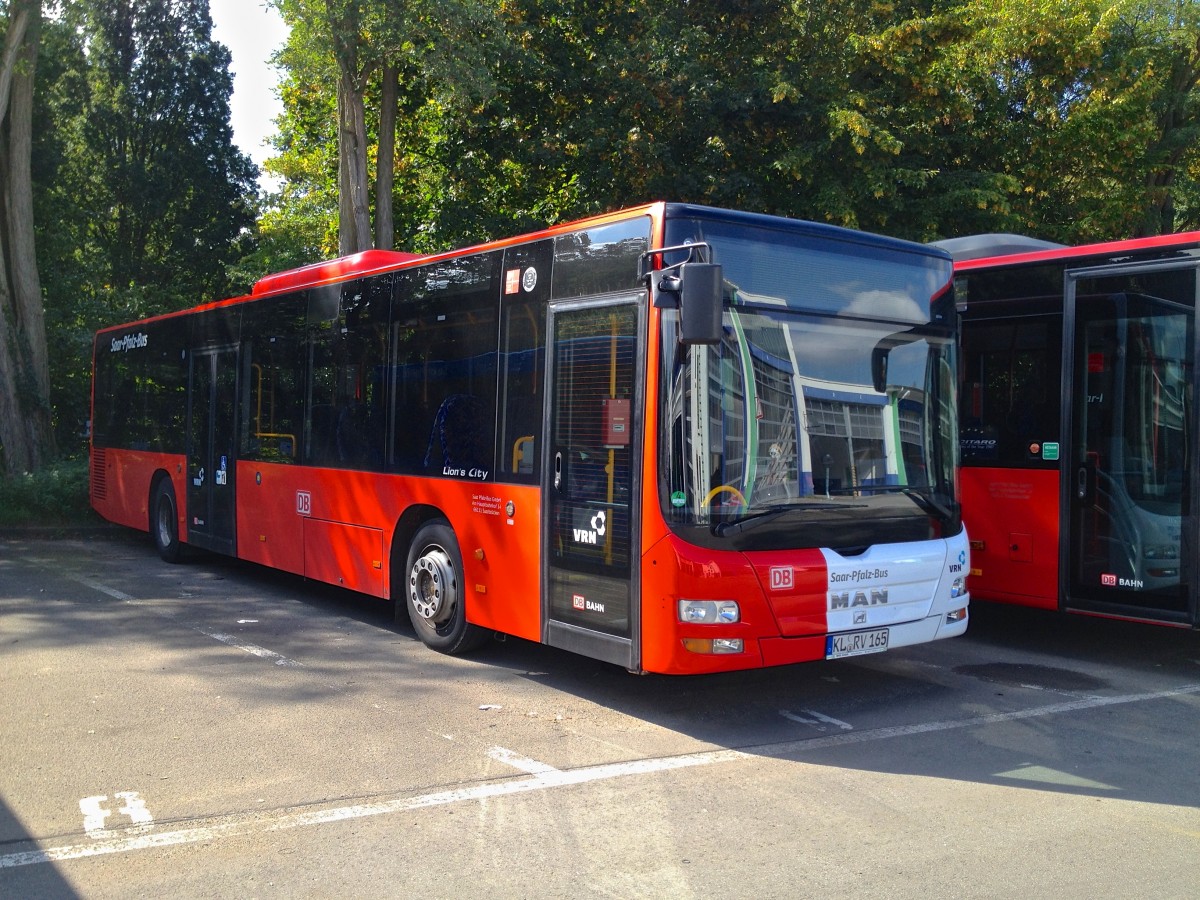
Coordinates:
[783,578]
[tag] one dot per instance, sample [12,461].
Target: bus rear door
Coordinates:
[593,438]
[1130,421]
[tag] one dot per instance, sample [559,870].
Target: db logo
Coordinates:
[1108,580]
[303,503]
[578,602]
[783,578]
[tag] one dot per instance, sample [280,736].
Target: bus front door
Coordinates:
[210,450]
[1129,509]
[590,483]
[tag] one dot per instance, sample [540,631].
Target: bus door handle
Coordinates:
[1083,480]
[557,470]
[1087,476]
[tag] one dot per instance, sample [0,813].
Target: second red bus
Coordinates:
[1078,411]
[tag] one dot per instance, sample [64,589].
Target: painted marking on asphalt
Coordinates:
[252,649]
[134,808]
[816,719]
[228,639]
[125,841]
[95,813]
[524,763]
[102,588]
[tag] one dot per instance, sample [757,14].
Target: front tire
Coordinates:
[434,591]
[164,522]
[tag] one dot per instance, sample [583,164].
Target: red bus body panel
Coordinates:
[675,569]
[1012,517]
[342,533]
[126,477]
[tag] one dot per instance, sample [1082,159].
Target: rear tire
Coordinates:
[164,522]
[434,591]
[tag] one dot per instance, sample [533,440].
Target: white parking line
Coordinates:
[819,720]
[128,840]
[102,588]
[227,639]
[252,649]
[530,766]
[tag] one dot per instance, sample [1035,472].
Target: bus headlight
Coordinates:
[958,587]
[709,612]
[1164,552]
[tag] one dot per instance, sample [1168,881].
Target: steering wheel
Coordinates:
[725,488]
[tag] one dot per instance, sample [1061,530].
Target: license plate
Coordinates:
[856,643]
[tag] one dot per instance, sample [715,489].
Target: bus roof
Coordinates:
[1014,250]
[358,264]
[371,262]
[818,230]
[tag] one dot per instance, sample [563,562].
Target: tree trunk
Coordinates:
[385,175]
[354,228]
[26,432]
[354,211]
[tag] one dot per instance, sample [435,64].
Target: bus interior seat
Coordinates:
[459,437]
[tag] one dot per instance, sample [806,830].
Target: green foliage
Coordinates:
[142,202]
[55,496]
[1072,119]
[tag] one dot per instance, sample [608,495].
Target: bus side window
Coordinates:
[444,321]
[348,390]
[523,359]
[1009,402]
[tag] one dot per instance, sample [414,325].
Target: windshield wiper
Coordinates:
[762,517]
[924,499]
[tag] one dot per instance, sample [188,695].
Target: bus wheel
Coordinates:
[434,592]
[164,524]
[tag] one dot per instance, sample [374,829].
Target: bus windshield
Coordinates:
[813,423]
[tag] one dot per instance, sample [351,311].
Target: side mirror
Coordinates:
[695,289]
[879,368]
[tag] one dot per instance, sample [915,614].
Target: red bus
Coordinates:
[675,438]
[1078,414]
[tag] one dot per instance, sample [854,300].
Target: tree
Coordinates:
[142,203]
[376,59]
[26,436]
[167,191]
[1070,119]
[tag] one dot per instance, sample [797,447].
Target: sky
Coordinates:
[252,32]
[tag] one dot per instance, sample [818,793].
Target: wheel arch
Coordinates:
[407,525]
[157,478]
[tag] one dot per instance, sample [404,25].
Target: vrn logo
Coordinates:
[593,535]
[851,599]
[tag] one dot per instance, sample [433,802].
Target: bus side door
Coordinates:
[212,417]
[1128,499]
[593,440]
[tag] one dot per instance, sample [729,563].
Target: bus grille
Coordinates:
[99,475]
